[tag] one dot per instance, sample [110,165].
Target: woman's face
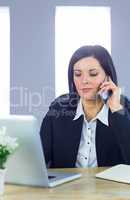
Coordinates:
[88,76]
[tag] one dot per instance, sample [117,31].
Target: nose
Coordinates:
[85,80]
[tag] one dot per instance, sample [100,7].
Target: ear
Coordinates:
[109,78]
[106,78]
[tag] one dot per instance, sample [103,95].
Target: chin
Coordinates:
[88,97]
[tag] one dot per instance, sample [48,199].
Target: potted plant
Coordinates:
[7,147]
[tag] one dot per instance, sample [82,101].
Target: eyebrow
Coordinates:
[77,70]
[94,69]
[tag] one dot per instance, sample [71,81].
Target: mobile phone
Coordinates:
[106,94]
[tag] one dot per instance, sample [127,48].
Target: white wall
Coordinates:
[32,49]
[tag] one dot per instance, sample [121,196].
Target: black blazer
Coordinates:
[60,135]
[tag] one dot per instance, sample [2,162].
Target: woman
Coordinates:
[80,128]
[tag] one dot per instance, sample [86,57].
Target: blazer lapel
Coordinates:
[74,139]
[103,139]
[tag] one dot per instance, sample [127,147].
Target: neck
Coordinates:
[91,108]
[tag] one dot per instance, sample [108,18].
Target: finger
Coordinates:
[106,88]
[106,84]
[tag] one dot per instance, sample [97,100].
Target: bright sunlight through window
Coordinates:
[4,61]
[76,26]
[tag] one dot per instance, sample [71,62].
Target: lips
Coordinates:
[86,89]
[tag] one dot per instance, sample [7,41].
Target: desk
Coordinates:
[86,188]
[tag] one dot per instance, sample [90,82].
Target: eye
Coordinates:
[77,73]
[93,74]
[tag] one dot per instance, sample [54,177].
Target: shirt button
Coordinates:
[88,143]
[86,158]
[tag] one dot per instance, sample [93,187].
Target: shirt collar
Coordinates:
[102,115]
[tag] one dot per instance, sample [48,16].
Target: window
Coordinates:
[4,61]
[76,26]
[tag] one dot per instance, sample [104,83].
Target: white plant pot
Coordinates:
[2,180]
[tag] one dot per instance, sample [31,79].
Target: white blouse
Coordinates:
[87,149]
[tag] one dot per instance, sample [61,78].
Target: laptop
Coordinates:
[27,165]
[118,173]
